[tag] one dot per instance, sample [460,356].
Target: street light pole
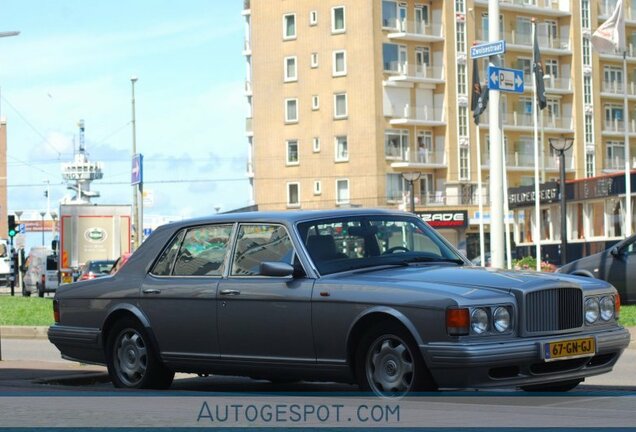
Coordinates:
[138,229]
[411,177]
[561,145]
[42,213]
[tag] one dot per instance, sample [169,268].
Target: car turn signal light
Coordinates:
[457,321]
[617,306]
[56,311]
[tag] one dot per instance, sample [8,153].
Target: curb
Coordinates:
[24,332]
[89,378]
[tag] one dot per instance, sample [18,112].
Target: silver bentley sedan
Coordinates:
[373,297]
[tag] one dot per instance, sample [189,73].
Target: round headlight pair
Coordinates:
[500,318]
[595,309]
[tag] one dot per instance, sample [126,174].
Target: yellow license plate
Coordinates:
[67,279]
[569,349]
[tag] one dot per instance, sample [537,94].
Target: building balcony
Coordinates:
[247,47]
[522,41]
[606,9]
[542,7]
[416,116]
[616,163]
[617,127]
[615,88]
[552,85]
[618,57]
[413,31]
[248,87]
[249,169]
[423,159]
[415,73]
[248,126]
[525,122]
[437,198]
[524,161]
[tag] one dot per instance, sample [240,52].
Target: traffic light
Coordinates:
[12,227]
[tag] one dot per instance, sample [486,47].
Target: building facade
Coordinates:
[344,96]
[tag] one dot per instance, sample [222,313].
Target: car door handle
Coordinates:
[152,291]
[230,292]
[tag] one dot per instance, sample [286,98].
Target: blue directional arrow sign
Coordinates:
[508,80]
[488,49]
[22,228]
[137,173]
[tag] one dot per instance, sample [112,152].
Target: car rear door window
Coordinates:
[203,251]
[260,243]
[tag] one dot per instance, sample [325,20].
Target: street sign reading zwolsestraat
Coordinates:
[488,49]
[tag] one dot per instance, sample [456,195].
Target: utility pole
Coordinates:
[496,151]
[136,222]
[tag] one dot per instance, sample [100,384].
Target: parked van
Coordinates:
[41,274]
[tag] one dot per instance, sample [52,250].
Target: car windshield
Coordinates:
[358,242]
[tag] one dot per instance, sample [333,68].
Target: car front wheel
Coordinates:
[132,362]
[389,364]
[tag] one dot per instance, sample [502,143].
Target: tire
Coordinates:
[561,386]
[131,359]
[389,364]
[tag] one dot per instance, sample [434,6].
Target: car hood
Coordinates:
[467,281]
[586,263]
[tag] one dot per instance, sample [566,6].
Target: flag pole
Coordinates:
[537,193]
[480,202]
[628,183]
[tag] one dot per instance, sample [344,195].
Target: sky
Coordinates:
[74,59]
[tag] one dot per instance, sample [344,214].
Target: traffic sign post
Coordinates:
[488,49]
[508,80]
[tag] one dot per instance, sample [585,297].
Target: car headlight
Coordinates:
[607,308]
[479,320]
[501,319]
[591,310]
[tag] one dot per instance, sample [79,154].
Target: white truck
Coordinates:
[92,232]
[40,272]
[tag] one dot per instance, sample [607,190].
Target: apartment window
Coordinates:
[314,60]
[394,187]
[342,191]
[313,18]
[554,108]
[460,6]
[292,152]
[614,117]
[484,26]
[338,19]
[589,165]
[613,79]
[587,55]
[464,163]
[289,26]
[552,68]
[523,32]
[293,194]
[315,102]
[525,64]
[340,105]
[389,14]
[589,136]
[461,37]
[394,57]
[315,144]
[587,89]
[342,148]
[291,110]
[585,14]
[461,79]
[396,144]
[553,33]
[317,187]
[615,155]
[462,114]
[290,69]
[339,63]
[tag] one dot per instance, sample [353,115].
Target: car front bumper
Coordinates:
[519,361]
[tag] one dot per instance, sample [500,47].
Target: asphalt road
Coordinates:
[194,401]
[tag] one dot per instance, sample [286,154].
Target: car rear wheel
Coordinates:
[132,361]
[389,364]
[561,386]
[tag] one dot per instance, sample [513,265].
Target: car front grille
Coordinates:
[554,309]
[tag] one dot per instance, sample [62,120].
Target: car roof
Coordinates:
[291,216]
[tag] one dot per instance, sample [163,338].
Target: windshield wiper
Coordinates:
[425,259]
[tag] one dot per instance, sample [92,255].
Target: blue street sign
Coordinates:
[147,232]
[137,173]
[508,80]
[22,229]
[488,49]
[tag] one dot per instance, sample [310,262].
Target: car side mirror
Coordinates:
[276,268]
[615,251]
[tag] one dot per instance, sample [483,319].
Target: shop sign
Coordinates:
[599,187]
[524,196]
[445,219]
